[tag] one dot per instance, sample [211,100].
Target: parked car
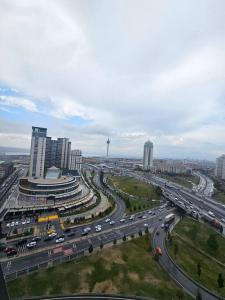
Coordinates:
[60,240]
[31,245]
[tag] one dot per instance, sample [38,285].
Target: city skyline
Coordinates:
[124,80]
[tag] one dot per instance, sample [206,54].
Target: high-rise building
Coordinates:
[148,156]
[46,152]
[220,167]
[75,160]
[63,153]
[37,152]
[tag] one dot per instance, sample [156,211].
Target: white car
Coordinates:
[107,220]
[98,226]
[122,220]
[211,213]
[223,220]
[53,234]
[12,224]
[23,222]
[162,225]
[98,229]
[145,225]
[31,244]
[28,221]
[60,240]
[150,212]
[8,225]
[144,217]
[112,222]
[17,223]
[131,218]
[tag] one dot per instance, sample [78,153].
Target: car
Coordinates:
[122,220]
[16,223]
[150,212]
[144,217]
[140,216]
[131,217]
[72,233]
[60,240]
[210,213]
[23,222]
[12,224]
[97,226]
[31,245]
[8,225]
[145,225]
[158,250]
[36,238]
[11,252]
[53,234]
[162,225]
[98,229]
[223,220]
[112,222]
[107,220]
[160,218]
[28,221]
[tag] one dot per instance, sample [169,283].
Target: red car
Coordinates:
[158,250]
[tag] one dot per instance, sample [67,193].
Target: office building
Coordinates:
[37,152]
[148,156]
[75,160]
[220,167]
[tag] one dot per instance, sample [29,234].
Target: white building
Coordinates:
[148,156]
[75,160]
[37,152]
[220,167]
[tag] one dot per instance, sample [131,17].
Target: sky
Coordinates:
[127,70]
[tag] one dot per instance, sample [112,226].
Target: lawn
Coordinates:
[219,196]
[139,193]
[126,269]
[184,180]
[191,239]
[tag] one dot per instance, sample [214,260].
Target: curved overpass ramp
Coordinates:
[189,285]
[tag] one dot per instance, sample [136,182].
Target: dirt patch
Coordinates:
[105,287]
[114,255]
[150,279]
[133,276]
[84,286]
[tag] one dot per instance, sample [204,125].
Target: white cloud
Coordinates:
[18,102]
[133,69]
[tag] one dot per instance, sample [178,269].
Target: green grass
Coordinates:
[184,180]
[191,238]
[140,194]
[219,196]
[126,269]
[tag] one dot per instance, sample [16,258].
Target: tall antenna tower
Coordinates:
[107,152]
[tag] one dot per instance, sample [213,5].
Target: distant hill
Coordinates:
[11,150]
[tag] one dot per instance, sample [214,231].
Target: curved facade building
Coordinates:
[52,187]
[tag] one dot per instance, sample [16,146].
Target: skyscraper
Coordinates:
[75,160]
[220,167]
[46,152]
[37,152]
[148,155]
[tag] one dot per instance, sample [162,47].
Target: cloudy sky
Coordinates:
[130,70]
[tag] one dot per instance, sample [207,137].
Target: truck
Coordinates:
[169,218]
[212,221]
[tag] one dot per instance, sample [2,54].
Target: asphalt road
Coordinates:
[175,272]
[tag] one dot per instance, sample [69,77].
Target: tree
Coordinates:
[156,256]
[212,243]
[124,238]
[114,241]
[176,249]
[101,246]
[220,280]
[140,233]
[90,249]
[221,229]
[199,269]
[146,230]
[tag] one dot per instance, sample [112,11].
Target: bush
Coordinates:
[124,238]
[140,233]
